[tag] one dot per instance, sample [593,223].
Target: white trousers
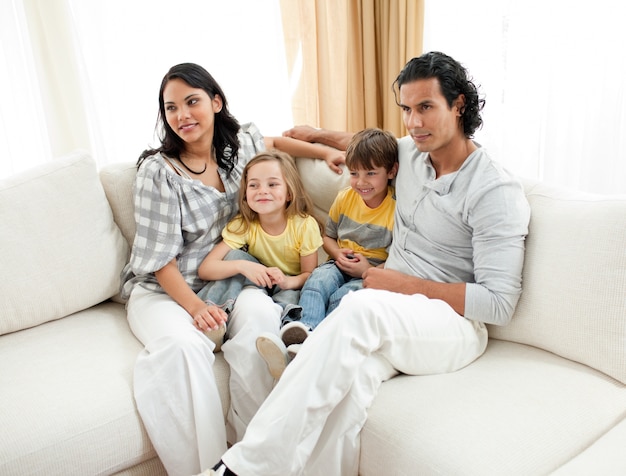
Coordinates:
[311,422]
[174,385]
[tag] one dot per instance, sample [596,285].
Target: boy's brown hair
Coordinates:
[371,148]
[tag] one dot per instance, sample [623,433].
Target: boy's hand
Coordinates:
[353,264]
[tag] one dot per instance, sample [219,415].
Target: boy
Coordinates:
[357,236]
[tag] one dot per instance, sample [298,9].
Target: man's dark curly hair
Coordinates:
[453,79]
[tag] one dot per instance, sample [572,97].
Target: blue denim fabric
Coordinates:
[223,292]
[323,291]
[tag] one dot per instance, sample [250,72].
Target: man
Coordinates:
[455,264]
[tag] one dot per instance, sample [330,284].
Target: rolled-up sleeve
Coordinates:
[498,214]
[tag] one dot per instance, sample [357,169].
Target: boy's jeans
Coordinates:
[323,291]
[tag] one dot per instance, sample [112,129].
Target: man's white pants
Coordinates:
[311,422]
[174,384]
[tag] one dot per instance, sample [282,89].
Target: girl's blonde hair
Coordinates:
[299,204]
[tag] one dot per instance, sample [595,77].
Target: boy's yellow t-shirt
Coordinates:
[301,237]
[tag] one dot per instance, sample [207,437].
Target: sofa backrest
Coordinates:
[574,281]
[61,250]
[118,179]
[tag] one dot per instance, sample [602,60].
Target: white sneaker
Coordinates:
[294,333]
[293,350]
[217,337]
[274,352]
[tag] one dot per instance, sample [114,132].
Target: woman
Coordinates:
[185,192]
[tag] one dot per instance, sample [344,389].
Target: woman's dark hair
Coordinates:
[225,140]
[454,80]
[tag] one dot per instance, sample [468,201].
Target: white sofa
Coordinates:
[548,396]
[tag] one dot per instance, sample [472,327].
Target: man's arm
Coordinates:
[391,280]
[337,139]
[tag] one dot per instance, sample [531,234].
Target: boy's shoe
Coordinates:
[217,337]
[294,333]
[293,350]
[274,352]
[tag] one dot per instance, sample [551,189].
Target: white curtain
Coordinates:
[85,74]
[554,77]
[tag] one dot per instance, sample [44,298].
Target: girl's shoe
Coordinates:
[273,352]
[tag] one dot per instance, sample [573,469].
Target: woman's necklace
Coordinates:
[193,171]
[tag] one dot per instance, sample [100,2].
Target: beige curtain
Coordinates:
[343,57]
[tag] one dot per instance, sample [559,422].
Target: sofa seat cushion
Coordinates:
[517,410]
[66,388]
[606,456]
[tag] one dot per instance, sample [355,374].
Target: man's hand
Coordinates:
[305,133]
[389,280]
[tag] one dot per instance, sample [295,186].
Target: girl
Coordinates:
[185,192]
[276,226]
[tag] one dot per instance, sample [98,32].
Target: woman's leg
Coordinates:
[324,393]
[174,384]
[250,382]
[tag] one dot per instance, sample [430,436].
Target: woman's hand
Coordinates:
[209,317]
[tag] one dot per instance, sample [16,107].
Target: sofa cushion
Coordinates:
[67,389]
[118,180]
[58,232]
[574,282]
[516,410]
[321,183]
[605,456]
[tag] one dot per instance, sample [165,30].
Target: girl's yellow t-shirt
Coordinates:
[301,237]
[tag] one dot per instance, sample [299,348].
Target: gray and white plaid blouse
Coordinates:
[181,218]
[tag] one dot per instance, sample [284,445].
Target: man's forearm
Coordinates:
[337,139]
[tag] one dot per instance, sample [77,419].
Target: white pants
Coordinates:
[311,422]
[174,384]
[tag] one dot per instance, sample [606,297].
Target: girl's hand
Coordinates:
[257,273]
[279,278]
[334,158]
[209,317]
[353,264]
